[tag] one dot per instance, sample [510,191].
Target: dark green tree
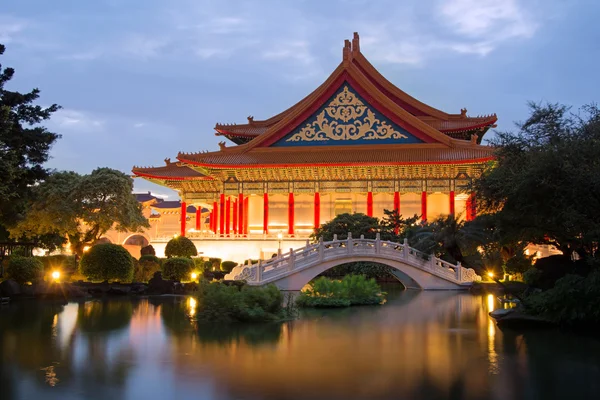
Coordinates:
[544,186]
[181,246]
[24,147]
[358,224]
[82,207]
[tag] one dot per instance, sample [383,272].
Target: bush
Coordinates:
[25,269]
[219,302]
[107,261]
[178,269]
[574,301]
[62,262]
[532,276]
[198,264]
[180,246]
[145,268]
[216,263]
[208,266]
[352,290]
[148,251]
[227,266]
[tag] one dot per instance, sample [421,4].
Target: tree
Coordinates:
[82,207]
[24,146]
[107,261]
[358,224]
[544,186]
[181,246]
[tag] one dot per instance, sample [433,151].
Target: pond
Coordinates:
[419,345]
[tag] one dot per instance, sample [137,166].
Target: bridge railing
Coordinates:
[313,254]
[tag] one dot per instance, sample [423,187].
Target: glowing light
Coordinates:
[490,274]
[192,304]
[55,275]
[86,248]
[194,276]
[279,236]
[175,236]
[490,302]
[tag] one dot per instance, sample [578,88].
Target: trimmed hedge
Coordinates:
[178,269]
[150,258]
[145,268]
[227,266]
[107,261]
[352,290]
[180,246]
[25,269]
[148,251]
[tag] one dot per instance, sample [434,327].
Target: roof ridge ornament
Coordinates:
[355,44]
[463,113]
[346,51]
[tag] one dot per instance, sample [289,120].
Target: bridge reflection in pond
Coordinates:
[420,345]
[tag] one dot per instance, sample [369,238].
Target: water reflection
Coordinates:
[432,345]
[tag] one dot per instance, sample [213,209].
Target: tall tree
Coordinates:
[544,186]
[24,146]
[82,208]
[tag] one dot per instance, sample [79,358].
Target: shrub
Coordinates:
[219,302]
[208,266]
[178,268]
[25,269]
[216,263]
[65,263]
[145,268]
[107,261]
[352,290]
[532,276]
[148,251]
[227,266]
[574,301]
[180,246]
[198,263]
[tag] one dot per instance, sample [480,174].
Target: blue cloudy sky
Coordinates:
[141,80]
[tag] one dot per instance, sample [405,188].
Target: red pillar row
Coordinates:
[291,213]
[370,204]
[246,215]
[452,207]
[471,207]
[216,217]
[241,214]
[424,206]
[317,215]
[266,213]
[183,215]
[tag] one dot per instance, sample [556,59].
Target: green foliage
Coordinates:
[180,246]
[208,266]
[82,207]
[532,276]
[227,266]
[367,269]
[105,262]
[216,263]
[574,301]
[148,250]
[554,155]
[145,268]
[358,224]
[352,290]
[25,269]
[178,268]
[223,303]
[24,147]
[66,264]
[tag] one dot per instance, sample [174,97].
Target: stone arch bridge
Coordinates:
[416,270]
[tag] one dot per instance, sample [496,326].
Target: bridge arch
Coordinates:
[414,269]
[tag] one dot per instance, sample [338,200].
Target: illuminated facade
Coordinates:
[355,144]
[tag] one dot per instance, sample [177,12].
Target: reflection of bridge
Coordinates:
[416,270]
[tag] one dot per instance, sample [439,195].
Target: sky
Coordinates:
[141,80]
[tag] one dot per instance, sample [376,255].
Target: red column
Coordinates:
[216,224]
[222,216]
[471,207]
[235,219]
[424,206]
[370,204]
[241,214]
[183,217]
[227,215]
[317,221]
[291,213]
[397,208]
[266,213]
[246,200]
[198,218]
[452,208]
[212,218]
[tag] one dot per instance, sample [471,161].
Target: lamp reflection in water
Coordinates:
[491,336]
[192,304]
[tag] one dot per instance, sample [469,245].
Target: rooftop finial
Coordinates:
[346,51]
[355,44]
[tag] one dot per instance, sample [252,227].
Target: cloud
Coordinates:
[74,120]
[10,27]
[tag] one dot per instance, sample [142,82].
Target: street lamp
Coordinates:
[279,237]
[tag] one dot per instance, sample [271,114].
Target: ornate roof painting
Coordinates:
[172,171]
[346,119]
